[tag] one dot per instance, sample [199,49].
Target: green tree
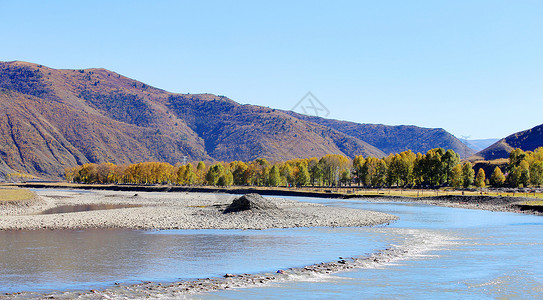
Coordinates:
[433,171]
[456,176]
[259,169]
[519,175]
[406,167]
[525,173]
[536,173]
[538,154]
[480,178]
[374,172]
[274,177]
[214,173]
[189,176]
[515,158]
[238,172]
[394,164]
[288,174]
[331,165]
[418,166]
[358,164]
[468,174]
[449,160]
[315,171]
[497,178]
[180,175]
[302,176]
[225,179]
[345,177]
[200,172]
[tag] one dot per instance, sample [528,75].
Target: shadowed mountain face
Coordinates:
[395,139]
[51,119]
[527,140]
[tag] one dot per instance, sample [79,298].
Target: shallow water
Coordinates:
[494,255]
[483,255]
[71,260]
[85,207]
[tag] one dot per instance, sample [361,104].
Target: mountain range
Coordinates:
[479,144]
[527,140]
[51,119]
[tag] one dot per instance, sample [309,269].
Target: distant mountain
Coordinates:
[480,144]
[51,119]
[395,139]
[527,140]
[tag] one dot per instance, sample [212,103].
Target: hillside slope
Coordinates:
[527,140]
[395,139]
[246,132]
[49,121]
[52,119]
[479,145]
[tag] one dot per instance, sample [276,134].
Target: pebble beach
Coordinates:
[159,210]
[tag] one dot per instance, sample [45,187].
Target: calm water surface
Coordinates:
[493,255]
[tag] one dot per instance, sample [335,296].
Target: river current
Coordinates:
[474,254]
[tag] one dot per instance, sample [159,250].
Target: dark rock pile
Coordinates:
[250,202]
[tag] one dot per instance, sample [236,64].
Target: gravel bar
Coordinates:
[163,210]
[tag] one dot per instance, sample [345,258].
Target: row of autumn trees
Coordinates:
[435,168]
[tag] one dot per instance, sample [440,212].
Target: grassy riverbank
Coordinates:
[15,194]
[488,199]
[336,192]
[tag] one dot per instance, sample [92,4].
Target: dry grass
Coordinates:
[353,190]
[532,203]
[443,192]
[419,192]
[494,162]
[16,194]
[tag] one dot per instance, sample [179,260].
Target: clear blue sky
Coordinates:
[474,68]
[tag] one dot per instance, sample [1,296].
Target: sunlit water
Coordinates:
[487,255]
[495,255]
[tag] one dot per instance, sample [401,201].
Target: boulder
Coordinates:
[250,202]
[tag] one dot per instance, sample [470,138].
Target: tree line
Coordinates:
[406,169]
[525,168]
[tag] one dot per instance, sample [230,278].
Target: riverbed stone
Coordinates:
[250,202]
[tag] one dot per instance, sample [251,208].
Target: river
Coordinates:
[466,254]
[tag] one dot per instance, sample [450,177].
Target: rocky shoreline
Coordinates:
[162,210]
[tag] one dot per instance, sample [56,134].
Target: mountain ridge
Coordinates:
[57,118]
[395,138]
[527,140]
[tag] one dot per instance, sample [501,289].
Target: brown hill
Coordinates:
[527,140]
[246,132]
[51,119]
[395,139]
[47,124]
